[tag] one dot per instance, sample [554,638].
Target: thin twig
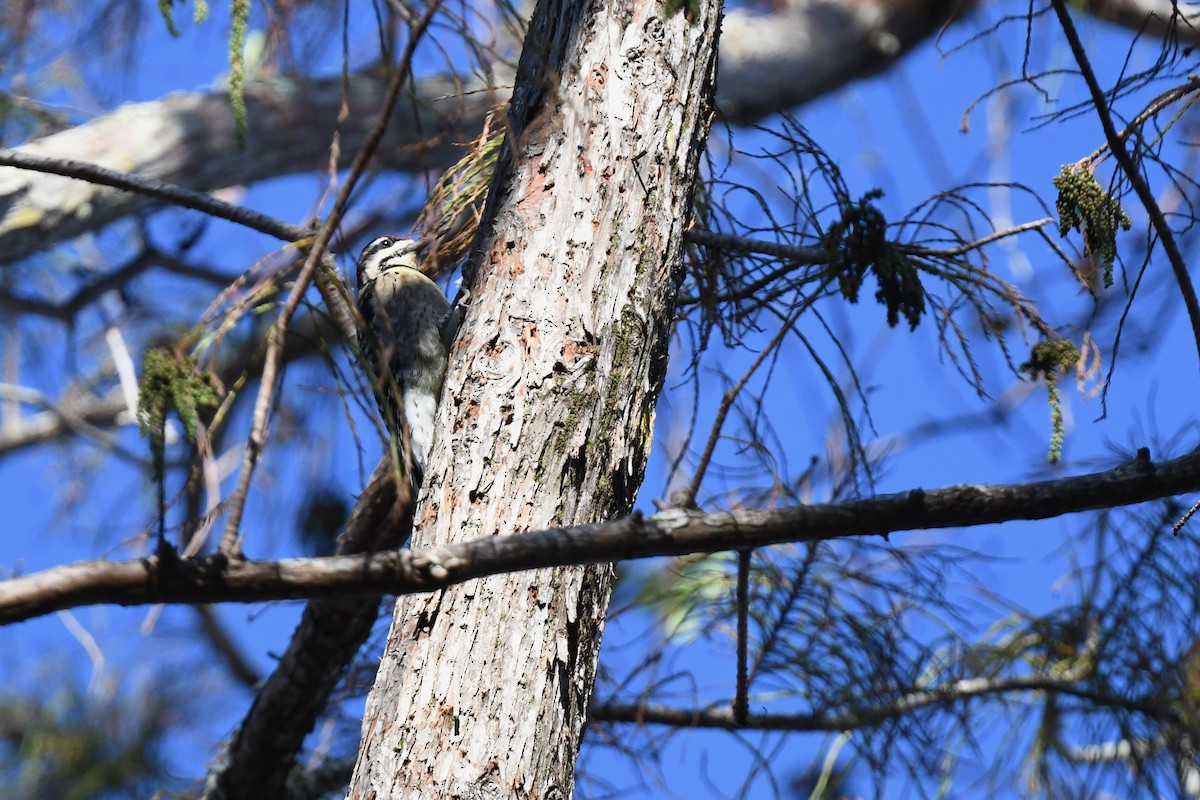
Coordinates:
[1184,519]
[949,694]
[741,698]
[688,499]
[1156,105]
[813,256]
[800,256]
[963,249]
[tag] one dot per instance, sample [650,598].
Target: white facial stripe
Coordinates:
[384,253]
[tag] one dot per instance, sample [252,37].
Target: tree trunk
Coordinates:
[549,401]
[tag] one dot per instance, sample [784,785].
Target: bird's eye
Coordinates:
[387,241]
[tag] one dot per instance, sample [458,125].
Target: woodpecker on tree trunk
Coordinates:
[404,341]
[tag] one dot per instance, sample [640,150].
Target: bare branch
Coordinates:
[1152,109]
[80,415]
[798,256]
[978,244]
[671,532]
[803,50]
[188,140]
[868,716]
[153,187]
[148,256]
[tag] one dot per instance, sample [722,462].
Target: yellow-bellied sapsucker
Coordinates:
[405,338]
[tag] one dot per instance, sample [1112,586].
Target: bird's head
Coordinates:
[385,253]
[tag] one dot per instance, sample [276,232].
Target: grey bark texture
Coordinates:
[549,401]
[188,139]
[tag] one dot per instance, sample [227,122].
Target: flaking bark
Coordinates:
[549,399]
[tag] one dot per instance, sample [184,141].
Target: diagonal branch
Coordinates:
[672,532]
[152,187]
